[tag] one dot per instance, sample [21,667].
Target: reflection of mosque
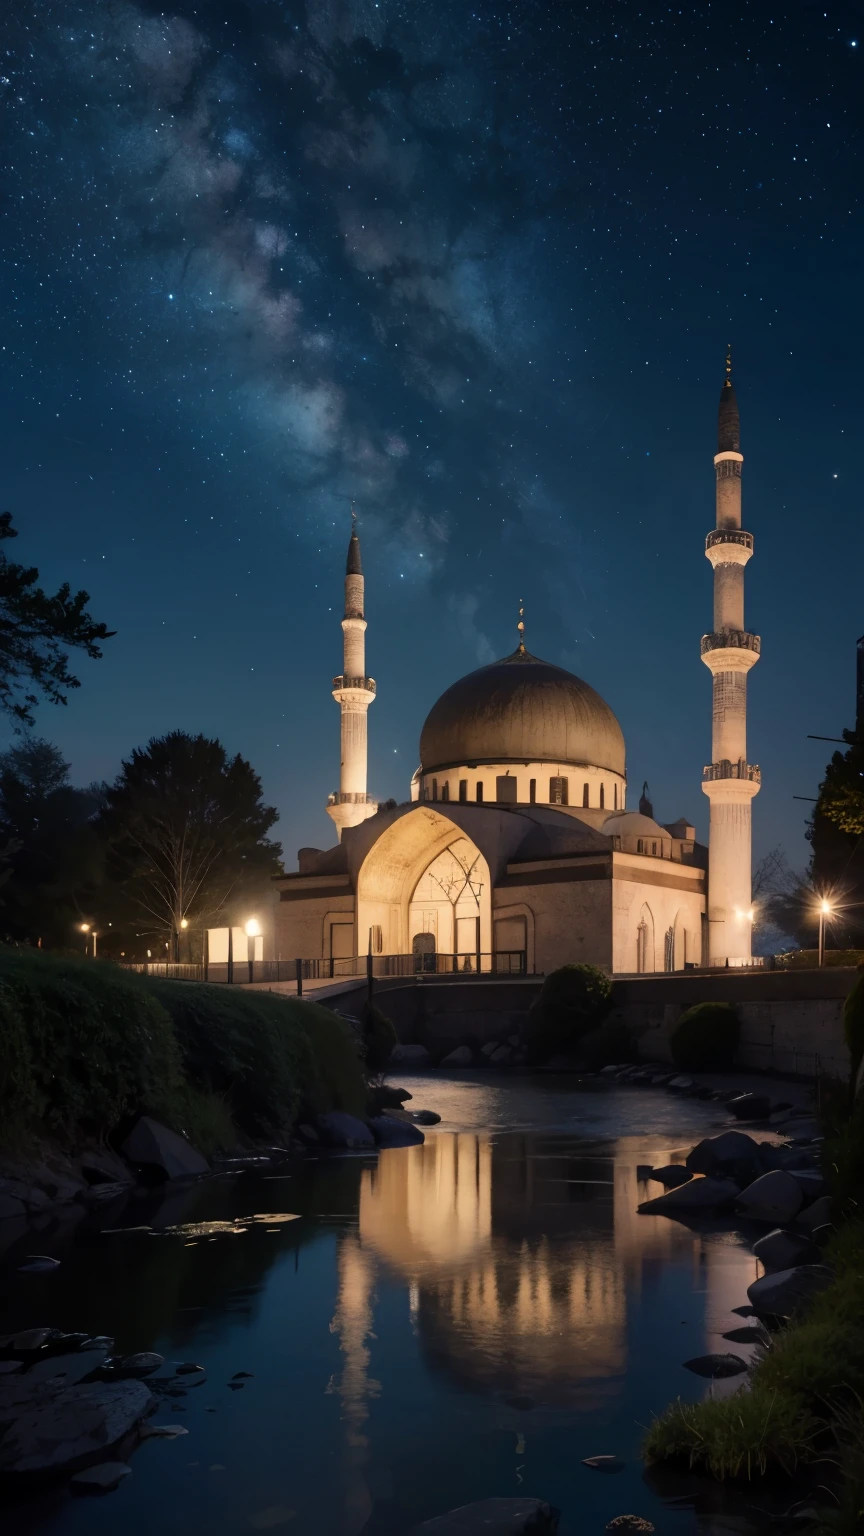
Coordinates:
[520,1255]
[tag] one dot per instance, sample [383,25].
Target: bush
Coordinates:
[853,1027]
[379,1038]
[267,1056]
[82,1044]
[609,1044]
[572,1001]
[705,1039]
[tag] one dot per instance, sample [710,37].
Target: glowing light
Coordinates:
[85,927]
[253,928]
[184,922]
[825,907]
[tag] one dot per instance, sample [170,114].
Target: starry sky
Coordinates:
[476,266]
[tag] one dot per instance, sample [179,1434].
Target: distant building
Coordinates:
[517,837]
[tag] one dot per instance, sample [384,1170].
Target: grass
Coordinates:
[744,1435]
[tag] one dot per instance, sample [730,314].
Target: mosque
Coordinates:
[516,849]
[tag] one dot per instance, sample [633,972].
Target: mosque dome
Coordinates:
[521,710]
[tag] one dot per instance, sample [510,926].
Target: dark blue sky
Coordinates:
[476,267]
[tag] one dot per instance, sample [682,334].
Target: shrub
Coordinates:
[379,1038]
[853,1027]
[706,1037]
[573,1000]
[82,1044]
[265,1055]
[739,1436]
[611,1043]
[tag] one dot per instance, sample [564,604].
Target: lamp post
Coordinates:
[253,929]
[87,929]
[824,911]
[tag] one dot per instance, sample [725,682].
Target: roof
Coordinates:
[521,710]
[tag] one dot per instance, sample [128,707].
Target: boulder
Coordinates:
[629,1525]
[750,1106]
[773,1197]
[151,1143]
[11,1206]
[716,1366]
[755,1334]
[697,1194]
[816,1215]
[810,1182]
[608,1071]
[729,1150]
[409,1056]
[489,1047]
[10,1367]
[681,1083]
[337,1129]
[672,1175]
[783,1250]
[461,1057]
[385,1096]
[494,1517]
[72,1429]
[604,1463]
[423,1116]
[503,1054]
[73,1368]
[141,1364]
[103,1478]
[162,1431]
[782,1293]
[395,1133]
[28,1341]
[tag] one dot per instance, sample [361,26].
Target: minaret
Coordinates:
[353,692]
[729,781]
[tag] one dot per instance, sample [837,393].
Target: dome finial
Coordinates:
[353,566]
[729,363]
[521,626]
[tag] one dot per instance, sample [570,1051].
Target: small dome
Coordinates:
[633,824]
[521,710]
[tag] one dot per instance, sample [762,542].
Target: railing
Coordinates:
[507,962]
[729,536]
[350,798]
[368,684]
[730,640]
[729,770]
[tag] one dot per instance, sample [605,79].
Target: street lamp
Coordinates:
[86,929]
[253,929]
[825,910]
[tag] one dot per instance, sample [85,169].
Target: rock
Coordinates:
[822,1235]
[410,1056]
[141,1364]
[188,1368]
[673,1175]
[337,1129]
[783,1250]
[461,1057]
[608,1071]
[729,1150]
[10,1367]
[73,1367]
[11,1206]
[503,1054]
[489,1047]
[28,1341]
[395,1133]
[108,1170]
[773,1197]
[681,1083]
[629,1523]
[38,1264]
[604,1463]
[754,1335]
[151,1143]
[750,1106]
[494,1517]
[385,1096]
[716,1366]
[660,1080]
[76,1425]
[308,1135]
[422,1117]
[103,1478]
[810,1182]
[781,1294]
[696,1194]
[102,1193]
[816,1215]
[162,1431]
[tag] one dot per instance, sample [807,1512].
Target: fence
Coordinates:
[508,962]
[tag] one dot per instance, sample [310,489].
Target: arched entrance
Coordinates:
[425,877]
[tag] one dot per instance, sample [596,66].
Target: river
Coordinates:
[450,1322]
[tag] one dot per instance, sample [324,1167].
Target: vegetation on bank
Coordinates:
[706,1038]
[574,1001]
[804,1403]
[85,1047]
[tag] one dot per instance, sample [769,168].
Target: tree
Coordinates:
[187,834]
[53,850]
[36,633]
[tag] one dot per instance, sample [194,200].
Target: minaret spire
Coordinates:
[353,692]
[729,781]
[520,627]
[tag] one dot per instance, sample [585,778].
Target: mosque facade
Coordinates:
[516,849]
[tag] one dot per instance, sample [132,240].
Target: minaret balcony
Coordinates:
[344,683]
[730,650]
[728,770]
[340,797]
[728,546]
[732,782]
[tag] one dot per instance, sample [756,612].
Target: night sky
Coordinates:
[475,266]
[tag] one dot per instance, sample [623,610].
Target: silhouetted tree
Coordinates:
[54,855]
[187,834]
[36,633]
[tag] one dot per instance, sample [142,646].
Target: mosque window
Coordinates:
[640,846]
[463,791]
[479,794]
[532,791]
[615,795]
[586,796]
[602,797]
[434,789]
[445,791]
[558,791]
[505,788]
[654,849]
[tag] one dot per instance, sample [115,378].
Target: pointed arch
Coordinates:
[645,955]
